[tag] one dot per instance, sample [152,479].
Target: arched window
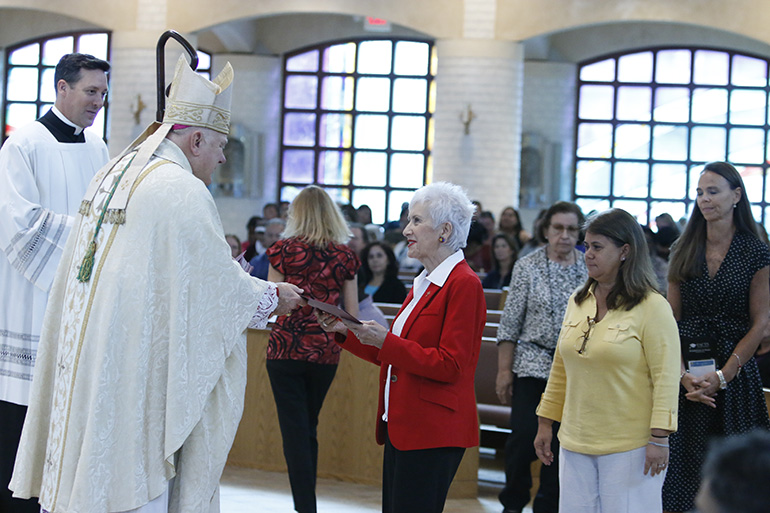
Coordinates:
[649,120]
[29,70]
[204,63]
[357,120]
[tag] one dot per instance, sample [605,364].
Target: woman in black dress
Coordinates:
[718,289]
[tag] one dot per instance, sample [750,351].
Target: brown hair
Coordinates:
[635,278]
[688,252]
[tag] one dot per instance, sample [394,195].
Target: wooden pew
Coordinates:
[494,316]
[493,298]
[494,418]
[347,450]
[391,309]
[490,330]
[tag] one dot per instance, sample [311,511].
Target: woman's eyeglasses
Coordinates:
[571,230]
[586,334]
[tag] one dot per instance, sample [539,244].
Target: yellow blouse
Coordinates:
[622,384]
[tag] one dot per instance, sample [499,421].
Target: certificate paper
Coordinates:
[335,311]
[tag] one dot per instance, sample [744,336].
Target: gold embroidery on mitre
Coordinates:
[196,101]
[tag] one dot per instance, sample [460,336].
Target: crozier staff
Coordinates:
[143,350]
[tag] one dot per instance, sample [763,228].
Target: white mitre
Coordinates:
[193,101]
[196,101]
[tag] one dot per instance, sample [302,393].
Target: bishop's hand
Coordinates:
[289,298]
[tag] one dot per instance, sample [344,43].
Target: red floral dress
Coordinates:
[321,272]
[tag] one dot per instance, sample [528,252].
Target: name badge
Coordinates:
[699,368]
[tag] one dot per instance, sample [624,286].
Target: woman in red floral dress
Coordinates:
[302,358]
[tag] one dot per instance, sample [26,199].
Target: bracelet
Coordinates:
[740,365]
[656,436]
[722,382]
[656,444]
[682,374]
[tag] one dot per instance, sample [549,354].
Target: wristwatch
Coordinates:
[722,381]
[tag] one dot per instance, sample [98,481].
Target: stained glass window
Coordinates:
[648,120]
[357,121]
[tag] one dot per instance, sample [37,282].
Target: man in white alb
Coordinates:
[45,168]
[142,370]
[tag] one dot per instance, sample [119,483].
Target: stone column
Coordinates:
[133,72]
[256,122]
[481,79]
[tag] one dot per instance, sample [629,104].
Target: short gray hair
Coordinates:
[275,220]
[447,203]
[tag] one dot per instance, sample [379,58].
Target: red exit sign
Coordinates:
[376,24]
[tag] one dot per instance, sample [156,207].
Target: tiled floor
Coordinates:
[256,491]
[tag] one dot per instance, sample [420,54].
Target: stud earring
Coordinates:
[441,239]
[622,259]
[735,205]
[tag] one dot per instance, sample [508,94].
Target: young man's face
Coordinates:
[81,101]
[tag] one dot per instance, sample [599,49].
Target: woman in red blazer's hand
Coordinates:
[427,405]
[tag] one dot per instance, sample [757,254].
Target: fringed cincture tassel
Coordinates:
[119,215]
[88,263]
[85,206]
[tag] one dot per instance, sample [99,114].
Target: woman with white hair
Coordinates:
[427,408]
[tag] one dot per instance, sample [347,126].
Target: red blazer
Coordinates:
[432,399]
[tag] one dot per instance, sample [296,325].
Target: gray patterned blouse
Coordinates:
[534,308]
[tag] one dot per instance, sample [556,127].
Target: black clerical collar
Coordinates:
[63,132]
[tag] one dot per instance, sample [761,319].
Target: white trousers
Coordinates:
[610,483]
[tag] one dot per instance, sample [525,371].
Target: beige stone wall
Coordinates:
[526,91]
[486,159]
[110,14]
[514,20]
[438,18]
[522,19]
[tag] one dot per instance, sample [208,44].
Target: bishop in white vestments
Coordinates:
[142,367]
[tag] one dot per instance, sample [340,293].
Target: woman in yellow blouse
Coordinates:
[614,381]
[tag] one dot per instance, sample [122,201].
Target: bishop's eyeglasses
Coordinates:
[591,321]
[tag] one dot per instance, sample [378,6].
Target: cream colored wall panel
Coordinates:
[485,160]
[439,18]
[522,19]
[109,14]
[18,25]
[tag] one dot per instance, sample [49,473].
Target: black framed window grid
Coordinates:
[336,117]
[641,141]
[34,61]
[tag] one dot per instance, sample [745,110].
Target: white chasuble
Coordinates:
[142,368]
